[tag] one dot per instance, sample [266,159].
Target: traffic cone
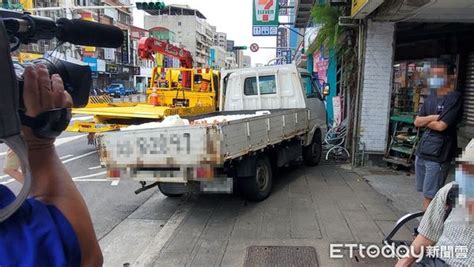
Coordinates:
[154,98]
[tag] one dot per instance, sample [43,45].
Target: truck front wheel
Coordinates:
[172,189]
[312,153]
[258,186]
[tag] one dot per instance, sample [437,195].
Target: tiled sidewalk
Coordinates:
[308,207]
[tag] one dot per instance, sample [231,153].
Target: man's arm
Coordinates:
[422,121]
[419,244]
[51,183]
[447,118]
[437,125]
[431,226]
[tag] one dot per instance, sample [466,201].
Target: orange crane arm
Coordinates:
[147,46]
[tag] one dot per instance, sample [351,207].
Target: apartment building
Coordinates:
[192,30]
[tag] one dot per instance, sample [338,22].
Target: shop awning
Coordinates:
[427,11]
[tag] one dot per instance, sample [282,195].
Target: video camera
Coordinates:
[23,28]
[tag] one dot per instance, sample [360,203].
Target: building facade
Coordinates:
[217,59]
[220,39]
[192,30]
[247,62]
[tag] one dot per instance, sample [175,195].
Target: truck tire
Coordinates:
[172,189]
[312,153]
[259,186]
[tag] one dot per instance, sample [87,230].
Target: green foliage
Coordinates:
[327,18]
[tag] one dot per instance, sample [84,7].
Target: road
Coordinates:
[109,202]
[308,207]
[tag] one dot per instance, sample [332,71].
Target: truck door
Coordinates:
[314,100]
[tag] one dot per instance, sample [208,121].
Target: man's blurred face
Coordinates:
[438,80]
[465,178]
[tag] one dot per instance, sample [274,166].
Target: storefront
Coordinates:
[397,61]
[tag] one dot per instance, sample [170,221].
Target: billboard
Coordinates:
[283,11]
[265,17]
[283,53]
[124,48]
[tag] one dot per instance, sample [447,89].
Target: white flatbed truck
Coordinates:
[269,117]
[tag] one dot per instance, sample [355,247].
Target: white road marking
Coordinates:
[64,140]
[160,239]
[95,168]
[115,183]
[89,175]
[67,156]
[7,181]
[90,180]
[59,141]
[83,118]
[80,156]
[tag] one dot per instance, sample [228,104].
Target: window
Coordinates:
[311,89]
[267,85]
[179,23]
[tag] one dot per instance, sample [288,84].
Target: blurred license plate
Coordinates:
[160,146]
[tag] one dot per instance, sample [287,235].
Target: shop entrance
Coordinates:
[418,47]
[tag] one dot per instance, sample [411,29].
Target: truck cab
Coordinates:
[268,117]
[274,87]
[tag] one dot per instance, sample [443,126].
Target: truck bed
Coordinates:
[201,144]
[144,111]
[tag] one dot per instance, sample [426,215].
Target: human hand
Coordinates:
[41,93]
[434,117]
[404,262]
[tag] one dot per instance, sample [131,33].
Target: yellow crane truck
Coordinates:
[172,91]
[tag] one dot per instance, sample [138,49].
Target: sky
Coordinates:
[233,17]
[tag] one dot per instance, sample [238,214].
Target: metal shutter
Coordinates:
[469,92]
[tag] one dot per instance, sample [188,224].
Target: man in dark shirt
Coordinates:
[439,115]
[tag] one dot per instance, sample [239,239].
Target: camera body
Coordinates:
[77,79]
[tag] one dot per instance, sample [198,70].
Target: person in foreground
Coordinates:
[457,230]
[53,227]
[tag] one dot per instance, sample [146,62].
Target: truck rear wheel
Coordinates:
[172,189]
[312,153]
[259,186]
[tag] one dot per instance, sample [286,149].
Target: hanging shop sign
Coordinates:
[125,69]
[92,62]
[109,53]
[88,50]
[320,65]
[265,18]
[111,68]
[100,65]
[124,48]
[136,70]
[283,11]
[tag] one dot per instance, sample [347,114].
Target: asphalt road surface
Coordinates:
[109,202]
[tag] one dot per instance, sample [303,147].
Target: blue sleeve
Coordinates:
[36,235]
[423,112]
[453,111]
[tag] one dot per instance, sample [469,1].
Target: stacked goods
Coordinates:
[175,120]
